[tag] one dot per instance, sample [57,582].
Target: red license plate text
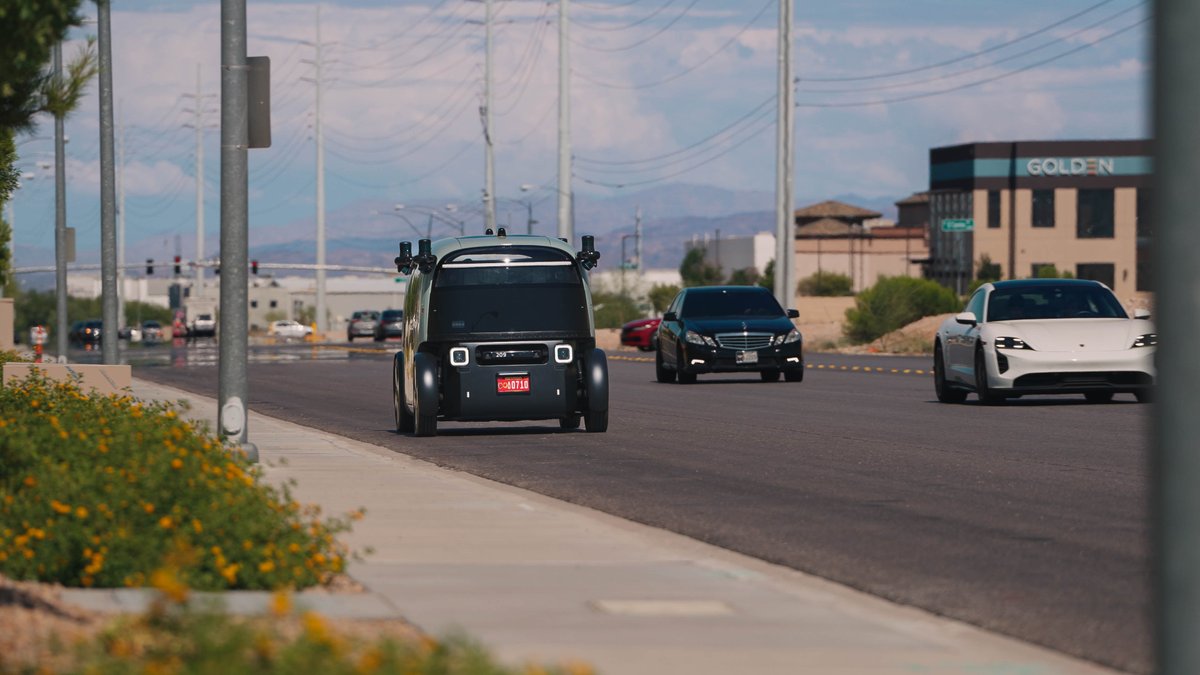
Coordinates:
[512,384]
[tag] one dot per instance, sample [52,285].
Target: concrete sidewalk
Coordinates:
[541,580]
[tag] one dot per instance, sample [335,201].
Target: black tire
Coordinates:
[349,337]
[570,421]
[378,337]
[769,375]
[1144,395]
[794,375]
[945,393]
[982,388]
[404,419]
[660,369]
[1099,396]
[596,421]
[425,411]
[680,369]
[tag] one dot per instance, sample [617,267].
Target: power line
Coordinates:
[964,57]
[644,19]
[968,85]
[676,76]
[624,48]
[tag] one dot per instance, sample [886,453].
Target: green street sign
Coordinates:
[958,224]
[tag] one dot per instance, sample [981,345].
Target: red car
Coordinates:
[641,334]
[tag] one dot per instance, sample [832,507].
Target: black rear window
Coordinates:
[729,302]
[390,315]
[497,291]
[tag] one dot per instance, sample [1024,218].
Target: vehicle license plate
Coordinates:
[747,357]
[512,384]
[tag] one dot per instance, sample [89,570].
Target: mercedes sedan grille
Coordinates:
[744,341]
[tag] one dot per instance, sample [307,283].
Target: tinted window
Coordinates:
[389,315]
[1053,301]
[975,306]
[1095,214]
[993,208]
[504,290]
[1105,273]
[730,302]
[1043,208]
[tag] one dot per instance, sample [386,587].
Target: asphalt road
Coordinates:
[1028,518]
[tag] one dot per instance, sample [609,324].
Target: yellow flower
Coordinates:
[197,526]
[177,463]
[294,547]
[230,572]
[149,507]
[30,481]
[266,566]
[59,507]
[166,581]
[281,603]
[315,628]
[166,523]
[81,512]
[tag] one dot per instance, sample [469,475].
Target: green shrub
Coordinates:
[104,490]
[9,356]
[894,302]
[825,284]
[661,295]
[613,310]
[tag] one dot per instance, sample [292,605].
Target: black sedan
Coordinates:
[390,324]
[726,329]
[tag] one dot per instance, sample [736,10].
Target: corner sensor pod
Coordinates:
[589,256]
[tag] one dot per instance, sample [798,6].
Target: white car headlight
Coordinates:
[698,339]
[788,338]
[1011,343]
[1147,340]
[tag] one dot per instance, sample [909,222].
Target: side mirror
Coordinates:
[966,318]
[793,314]
[1141,313]
[670,316]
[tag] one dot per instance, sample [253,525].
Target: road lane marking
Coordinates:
[816,366]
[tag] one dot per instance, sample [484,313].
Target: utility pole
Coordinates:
[198,125]
[233,389]
[60,224]
[566,226]
[108,199]
[318,80]
[785,219]
[637,232]
[489,169]
[1175,463]
[121,224]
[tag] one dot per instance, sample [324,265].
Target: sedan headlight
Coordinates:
[698,339]
[1147,340]
[787,338]
[1011,343]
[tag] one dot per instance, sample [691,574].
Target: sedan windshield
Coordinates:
[730,302]
[1054,301]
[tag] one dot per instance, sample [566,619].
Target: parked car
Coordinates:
[204,325]
[86,332]
[130,333]
[728,329]
[152,331]
[390,324]
[1044,336]
[501,328]
[288,329]
[362,324]
[641,333]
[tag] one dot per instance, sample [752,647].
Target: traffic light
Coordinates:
[254,267]
[177,266]
[149,266]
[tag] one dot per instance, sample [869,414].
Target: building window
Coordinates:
[993,208]
[253,304]
[1144,225]
[1043,208]
[1105,273]
[1095,214]
[274,304]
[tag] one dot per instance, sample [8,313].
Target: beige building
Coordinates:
[1079,206]
[840,238]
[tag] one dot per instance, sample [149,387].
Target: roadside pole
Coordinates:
[60,225]
[110,296]
[233,390]
[1176,464]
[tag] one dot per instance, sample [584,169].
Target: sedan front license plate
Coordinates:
[747,357]
[512,384]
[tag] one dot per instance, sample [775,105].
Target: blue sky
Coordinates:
[664,91]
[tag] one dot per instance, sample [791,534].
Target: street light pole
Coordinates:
[108,197]
[60,223]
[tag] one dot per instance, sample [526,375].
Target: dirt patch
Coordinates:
[914,339]
[36,626]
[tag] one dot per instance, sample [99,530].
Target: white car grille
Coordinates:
[744,341]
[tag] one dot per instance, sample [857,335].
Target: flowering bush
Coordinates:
[103,490]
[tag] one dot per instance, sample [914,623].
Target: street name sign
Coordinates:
[958,224]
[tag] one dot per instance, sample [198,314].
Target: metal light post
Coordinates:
[108,193]
[428,234]
[529,221]
[434,213]
[60,224]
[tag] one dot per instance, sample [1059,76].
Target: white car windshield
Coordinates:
[1054,301]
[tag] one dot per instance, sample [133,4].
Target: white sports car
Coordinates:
[1044,336]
